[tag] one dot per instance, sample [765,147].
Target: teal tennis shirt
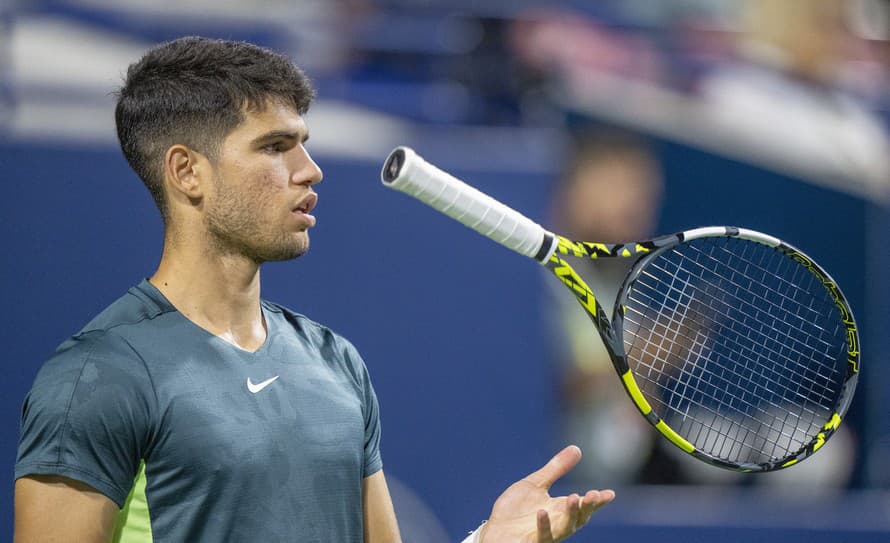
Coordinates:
[236,446]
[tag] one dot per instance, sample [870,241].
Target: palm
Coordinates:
[526,512]
[518,509]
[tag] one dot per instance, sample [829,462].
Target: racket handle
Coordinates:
[406,171]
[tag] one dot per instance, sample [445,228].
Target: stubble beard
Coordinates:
[235,229]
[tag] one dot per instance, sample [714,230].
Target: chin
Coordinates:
[282,255]
[288,251]
[275,248]
[298,253]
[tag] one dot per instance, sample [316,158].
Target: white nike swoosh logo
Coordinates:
[259,386]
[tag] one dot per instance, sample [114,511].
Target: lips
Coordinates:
[304,206]
[307,204]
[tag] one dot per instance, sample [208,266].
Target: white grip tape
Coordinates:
[465,204]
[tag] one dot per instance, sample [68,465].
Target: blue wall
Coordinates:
[448,322]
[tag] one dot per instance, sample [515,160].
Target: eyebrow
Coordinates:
[287,134]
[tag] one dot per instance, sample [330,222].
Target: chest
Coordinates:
[257,420]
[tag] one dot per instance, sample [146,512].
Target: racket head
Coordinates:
[737,347]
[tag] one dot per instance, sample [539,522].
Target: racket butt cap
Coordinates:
[392,168]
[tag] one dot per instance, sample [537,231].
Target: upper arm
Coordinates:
[88,417]
[380,524]
[50,508]
[370,410]
[379,516]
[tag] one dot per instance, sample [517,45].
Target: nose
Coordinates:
[308,173]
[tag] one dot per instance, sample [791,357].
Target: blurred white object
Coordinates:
[417,521]
[768,114]
[785,100]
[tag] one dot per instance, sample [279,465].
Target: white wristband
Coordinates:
[474,535]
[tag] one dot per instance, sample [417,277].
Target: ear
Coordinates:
[185,172]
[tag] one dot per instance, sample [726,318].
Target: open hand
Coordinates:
[526,513]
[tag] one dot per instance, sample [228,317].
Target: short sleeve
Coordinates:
[373,461]
[88,415]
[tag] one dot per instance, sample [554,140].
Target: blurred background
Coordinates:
[607,120]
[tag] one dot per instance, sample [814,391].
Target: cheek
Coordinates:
[265,187]
[273,176]
[270,199]
[253,193]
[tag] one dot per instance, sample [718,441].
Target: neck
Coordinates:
[218,292]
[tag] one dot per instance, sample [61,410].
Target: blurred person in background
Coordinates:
[610,192]
[785,97]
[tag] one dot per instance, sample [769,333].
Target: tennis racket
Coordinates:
[733,344]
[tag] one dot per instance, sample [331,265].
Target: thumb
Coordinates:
[558,466]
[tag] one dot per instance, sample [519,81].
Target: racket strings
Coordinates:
[770,325]
[682,397]
[734,401]
[737,347]
[691,420]
[815,320]
[734,398]
[710,376]
[800,340]
[798,271]
[742,347]
[682,393]
[765,298]
[736,344]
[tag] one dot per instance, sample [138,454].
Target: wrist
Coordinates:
[476,535]
[481,531]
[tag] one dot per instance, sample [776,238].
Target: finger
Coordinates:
[558,466]
[605,496]
[592,502]
[588,505]
[545,535]
[574,514]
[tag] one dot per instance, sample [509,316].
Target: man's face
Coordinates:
[613,199]
[262,194]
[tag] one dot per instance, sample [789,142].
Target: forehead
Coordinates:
[274,117]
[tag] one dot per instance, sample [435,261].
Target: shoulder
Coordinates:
[135,307]
[98,364]
[101,350]
[312,330]
[319,337]
[93,388]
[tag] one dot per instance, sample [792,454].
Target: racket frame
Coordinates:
[611,331]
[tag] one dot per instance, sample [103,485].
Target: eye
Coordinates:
[273,148]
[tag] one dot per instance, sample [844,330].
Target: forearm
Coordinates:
[380,525]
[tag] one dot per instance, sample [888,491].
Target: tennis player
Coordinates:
[192,410]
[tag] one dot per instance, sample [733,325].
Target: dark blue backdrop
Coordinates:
[448,322]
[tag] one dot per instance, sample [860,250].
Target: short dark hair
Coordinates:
[194,91]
